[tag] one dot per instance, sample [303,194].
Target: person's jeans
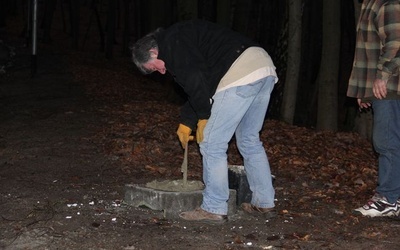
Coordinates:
[386,139]
[240,111]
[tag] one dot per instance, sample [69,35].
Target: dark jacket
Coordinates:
[198,54]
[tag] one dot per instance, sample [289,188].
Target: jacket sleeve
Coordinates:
[192,74]
[188,116]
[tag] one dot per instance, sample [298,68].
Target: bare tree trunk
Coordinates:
[357,9]
[207,10]
[125,35]
[158,13]
[187,9]
[241,16]
[293,62]
[327,117]
[74,6]
[111,22]
[137,24]
[50,6]
[99,26]
[3,13]
[224,12]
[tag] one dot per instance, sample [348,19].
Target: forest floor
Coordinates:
[76,133]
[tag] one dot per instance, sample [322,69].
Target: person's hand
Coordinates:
[183,133]
[379,88]
[201,124]
[363,105]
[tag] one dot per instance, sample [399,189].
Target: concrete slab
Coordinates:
[171,203]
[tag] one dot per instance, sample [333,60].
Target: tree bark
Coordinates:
[99,26]
[50,6]
[241,16]
[111,22]
[327,115]
[127,28]
[187,9]
[224,12]
[3,13]
[74,7]
[207,10]
[293,62]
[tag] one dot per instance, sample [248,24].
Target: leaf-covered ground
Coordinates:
[319,175]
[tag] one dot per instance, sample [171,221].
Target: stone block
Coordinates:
[171,203]
[238,181]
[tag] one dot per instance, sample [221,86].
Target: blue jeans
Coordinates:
[386,139]
[240,111]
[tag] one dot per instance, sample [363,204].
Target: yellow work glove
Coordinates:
[183,133]
[201,124]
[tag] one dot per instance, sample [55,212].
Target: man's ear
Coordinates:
[154,52]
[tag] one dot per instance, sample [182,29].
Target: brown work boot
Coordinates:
[266,213]
[200,215]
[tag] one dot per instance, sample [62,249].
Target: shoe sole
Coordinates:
[249,210]
[389,214]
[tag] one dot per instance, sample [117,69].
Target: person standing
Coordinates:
[228,79]
[375,83]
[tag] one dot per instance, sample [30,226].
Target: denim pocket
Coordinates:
[249,90]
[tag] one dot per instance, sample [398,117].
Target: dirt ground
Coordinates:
[73,135]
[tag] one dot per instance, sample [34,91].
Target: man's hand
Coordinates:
[363,105]
[201,124]
[379,88]
[183,133]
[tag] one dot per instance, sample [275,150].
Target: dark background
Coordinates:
[120,22]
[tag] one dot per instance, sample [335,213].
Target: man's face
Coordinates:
[155,65]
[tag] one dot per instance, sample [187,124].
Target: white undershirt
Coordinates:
[252,65]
